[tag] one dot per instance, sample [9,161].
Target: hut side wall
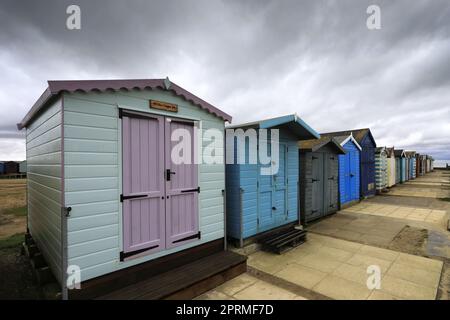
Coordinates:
[43,144]
[381,174]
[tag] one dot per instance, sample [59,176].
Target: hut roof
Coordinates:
[358,134]
[313,145]
[292,122]
[55,88]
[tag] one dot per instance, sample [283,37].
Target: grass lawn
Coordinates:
[13,241]
[18,212]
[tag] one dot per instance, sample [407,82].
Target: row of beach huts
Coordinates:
[13,168]
[105,197]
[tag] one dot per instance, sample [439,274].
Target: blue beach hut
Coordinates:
[258,202]
[349,171]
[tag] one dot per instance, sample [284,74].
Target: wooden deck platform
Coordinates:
[185,282]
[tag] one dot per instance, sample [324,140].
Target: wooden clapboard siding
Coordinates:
[367,170]
[93,176]
[43,145]
[328,169]
[381,172]
[349,164]
[245,177]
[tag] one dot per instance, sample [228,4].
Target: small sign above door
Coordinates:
[171,107]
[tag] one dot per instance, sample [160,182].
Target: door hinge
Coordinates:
[194,236]
[192,190]
[122,197]
[124,255]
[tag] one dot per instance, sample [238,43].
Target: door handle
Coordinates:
[314,180]
[168,174]
[274,208]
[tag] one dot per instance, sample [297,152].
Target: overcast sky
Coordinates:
[252,59]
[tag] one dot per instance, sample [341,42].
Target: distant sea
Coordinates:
[441,163]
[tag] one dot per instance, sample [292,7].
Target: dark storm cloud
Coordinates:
[316,58]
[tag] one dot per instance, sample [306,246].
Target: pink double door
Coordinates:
[160,194]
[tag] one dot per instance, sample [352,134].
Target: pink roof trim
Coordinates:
[57,87]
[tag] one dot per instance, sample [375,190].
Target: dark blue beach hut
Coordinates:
[257,202]
[367,161]
[400,166]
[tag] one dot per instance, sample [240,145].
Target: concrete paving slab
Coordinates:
[380,295]
[335,253]
[261,290]
[338,243]
[320,262]
[353,273]
[420,262]
[380,253]
[214,295]
[416,275]
[268,262]
[406,290]
[342,289]
[376,240]
[364,261]
[301,275]
[237,284]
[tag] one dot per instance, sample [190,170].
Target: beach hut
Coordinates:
[417,165]
[411,158]
[367,159]
[349,170]
[319,173]
[429,161]
[2,167]
[23,166]
[399,166]
[390,166]
[407,165]
[115,190]
[259,200]
[381,169]
[420,164]
[424,164]
[431,164]
[11,167]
